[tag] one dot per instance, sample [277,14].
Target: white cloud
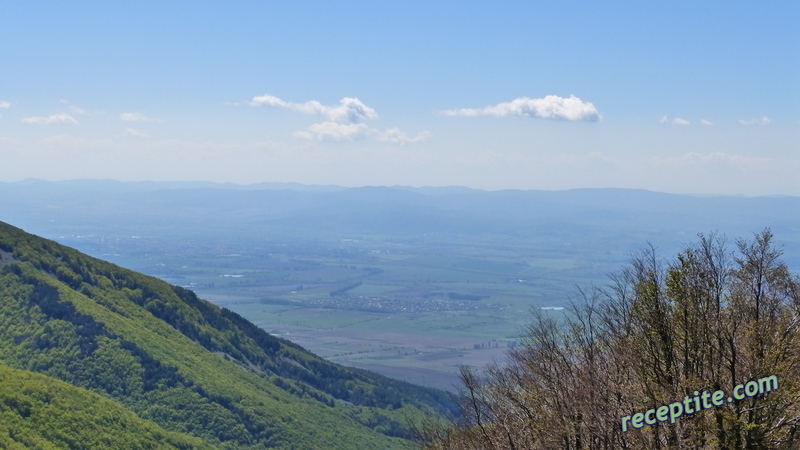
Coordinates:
[133,117]
[763,121]
[397,136]
[4,104]
[344,121]
[349,109]
[681,121]
[549,107]
[332,131]
[130,132]
[59,118]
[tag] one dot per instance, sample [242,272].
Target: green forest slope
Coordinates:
[183,363]
[40,412]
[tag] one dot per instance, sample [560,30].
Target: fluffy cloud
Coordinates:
[345,121]
[677,121]
[549,107]
[4,104]
[399,137]
[349,109]
[133,117]
[683,122]
[332,131]
[59,118]
[763,121]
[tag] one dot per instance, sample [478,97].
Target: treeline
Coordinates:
[707,320]
[343,290]
[468,297]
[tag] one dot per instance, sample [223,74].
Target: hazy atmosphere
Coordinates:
[677,97]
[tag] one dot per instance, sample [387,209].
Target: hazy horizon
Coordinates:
[289,184]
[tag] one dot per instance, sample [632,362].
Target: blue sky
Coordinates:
[687,97]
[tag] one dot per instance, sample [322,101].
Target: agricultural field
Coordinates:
[413,311]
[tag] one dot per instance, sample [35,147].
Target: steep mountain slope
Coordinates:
[37,411]
[184,363]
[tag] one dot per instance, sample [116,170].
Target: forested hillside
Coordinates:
[182,363]
[37,411]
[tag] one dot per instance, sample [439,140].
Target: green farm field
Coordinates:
[405,312]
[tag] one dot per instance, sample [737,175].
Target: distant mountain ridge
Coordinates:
[183,364]
[292,212]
